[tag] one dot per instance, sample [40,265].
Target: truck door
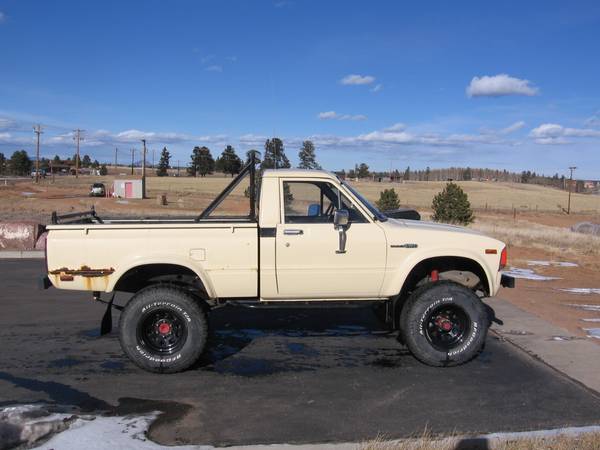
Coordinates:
[308,261]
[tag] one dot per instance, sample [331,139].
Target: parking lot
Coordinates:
[272,376]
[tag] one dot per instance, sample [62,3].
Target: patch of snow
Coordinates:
[583,291]
[591,320]
[122,202]
[593,332]
[27,194]
[552,263]
[527,274]
[585,307]
[116,433]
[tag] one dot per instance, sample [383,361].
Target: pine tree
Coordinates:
[467,176]
[388,200]
[363,171]
[256,154]
[274,157]
[2,163]
[407,174]
[307,156]
[452,205]
[162,169]
[86,161]
[202,162]
[427,173]
[20,164]
[95,164]
[230,162]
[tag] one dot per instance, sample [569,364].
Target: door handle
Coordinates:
[293,232]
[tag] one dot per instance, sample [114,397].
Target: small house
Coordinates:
[127,188]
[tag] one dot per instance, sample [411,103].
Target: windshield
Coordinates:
[372,209]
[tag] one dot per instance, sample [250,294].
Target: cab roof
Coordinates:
[272,173]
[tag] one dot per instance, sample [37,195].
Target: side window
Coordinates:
[315,202]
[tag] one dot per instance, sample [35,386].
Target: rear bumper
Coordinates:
[44,282]
[507,281]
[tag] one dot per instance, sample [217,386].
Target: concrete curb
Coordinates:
[21,254]
[576,357]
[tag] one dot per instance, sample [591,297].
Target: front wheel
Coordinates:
[163,329]
[444,324]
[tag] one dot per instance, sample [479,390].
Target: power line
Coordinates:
[77,138]
[37,130]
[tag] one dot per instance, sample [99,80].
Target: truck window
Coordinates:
[315,202]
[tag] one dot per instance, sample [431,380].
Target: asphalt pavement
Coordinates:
[272,376]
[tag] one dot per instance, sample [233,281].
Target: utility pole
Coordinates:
[116,152]
[132,156]
[77,138]
[153,158]
[572,168]
[144,169]
[177,167]
[37,130]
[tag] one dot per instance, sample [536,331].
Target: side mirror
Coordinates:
[341,218]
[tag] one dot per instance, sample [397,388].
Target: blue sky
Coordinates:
[514,86]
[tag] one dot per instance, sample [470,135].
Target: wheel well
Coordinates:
[461,270]
[142,276]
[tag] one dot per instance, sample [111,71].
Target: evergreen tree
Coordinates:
[56,159]
[427,173]
[20,164]
[103,170]
[86,161]
[230,162]
[467,176]
[163,163]
[202,162]
[218,164]
[363,171]
[452,205]
[307,156]
[407,174]
[388,200]
[95,164]
[274,157]
[2,163]
[75,159]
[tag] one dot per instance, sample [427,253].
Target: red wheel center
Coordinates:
[443,323]
[164,328]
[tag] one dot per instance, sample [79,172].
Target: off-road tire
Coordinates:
[418,316]
[144,313]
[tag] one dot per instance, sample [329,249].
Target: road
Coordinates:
[272,376]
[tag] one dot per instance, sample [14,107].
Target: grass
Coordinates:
[586,441]
[522,233]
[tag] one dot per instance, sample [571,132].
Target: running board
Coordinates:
[304,304]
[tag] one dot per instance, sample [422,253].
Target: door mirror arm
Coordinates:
[341,219]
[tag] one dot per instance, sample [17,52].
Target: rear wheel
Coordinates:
[444,324]
[163,329]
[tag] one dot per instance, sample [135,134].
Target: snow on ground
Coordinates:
[585,307]
[116,433]
[591,320]
[527,274]
[551,263]
[593,332]
[583,291]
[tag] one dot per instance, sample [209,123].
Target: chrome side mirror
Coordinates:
[341,218]
[340,221]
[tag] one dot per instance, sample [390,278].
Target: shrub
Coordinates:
[103,170]
[452,206]
[388,199]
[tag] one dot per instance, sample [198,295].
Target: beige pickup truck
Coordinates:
[298,237]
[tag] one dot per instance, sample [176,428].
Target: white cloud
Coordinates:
[2,17]
[214,68]
[500,85]
[512,128]
[552,133]
[357,79]
[332,115]
[231,58]
[377,87]
[283,3]
[398,126]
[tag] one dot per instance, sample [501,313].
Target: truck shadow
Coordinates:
[261,341]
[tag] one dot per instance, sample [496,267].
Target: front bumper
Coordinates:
[507,281]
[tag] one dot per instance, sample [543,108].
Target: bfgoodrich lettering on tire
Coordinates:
[444,324]
[163,329]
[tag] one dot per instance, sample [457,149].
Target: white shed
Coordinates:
[127,188]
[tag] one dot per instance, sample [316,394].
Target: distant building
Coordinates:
[127,188]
